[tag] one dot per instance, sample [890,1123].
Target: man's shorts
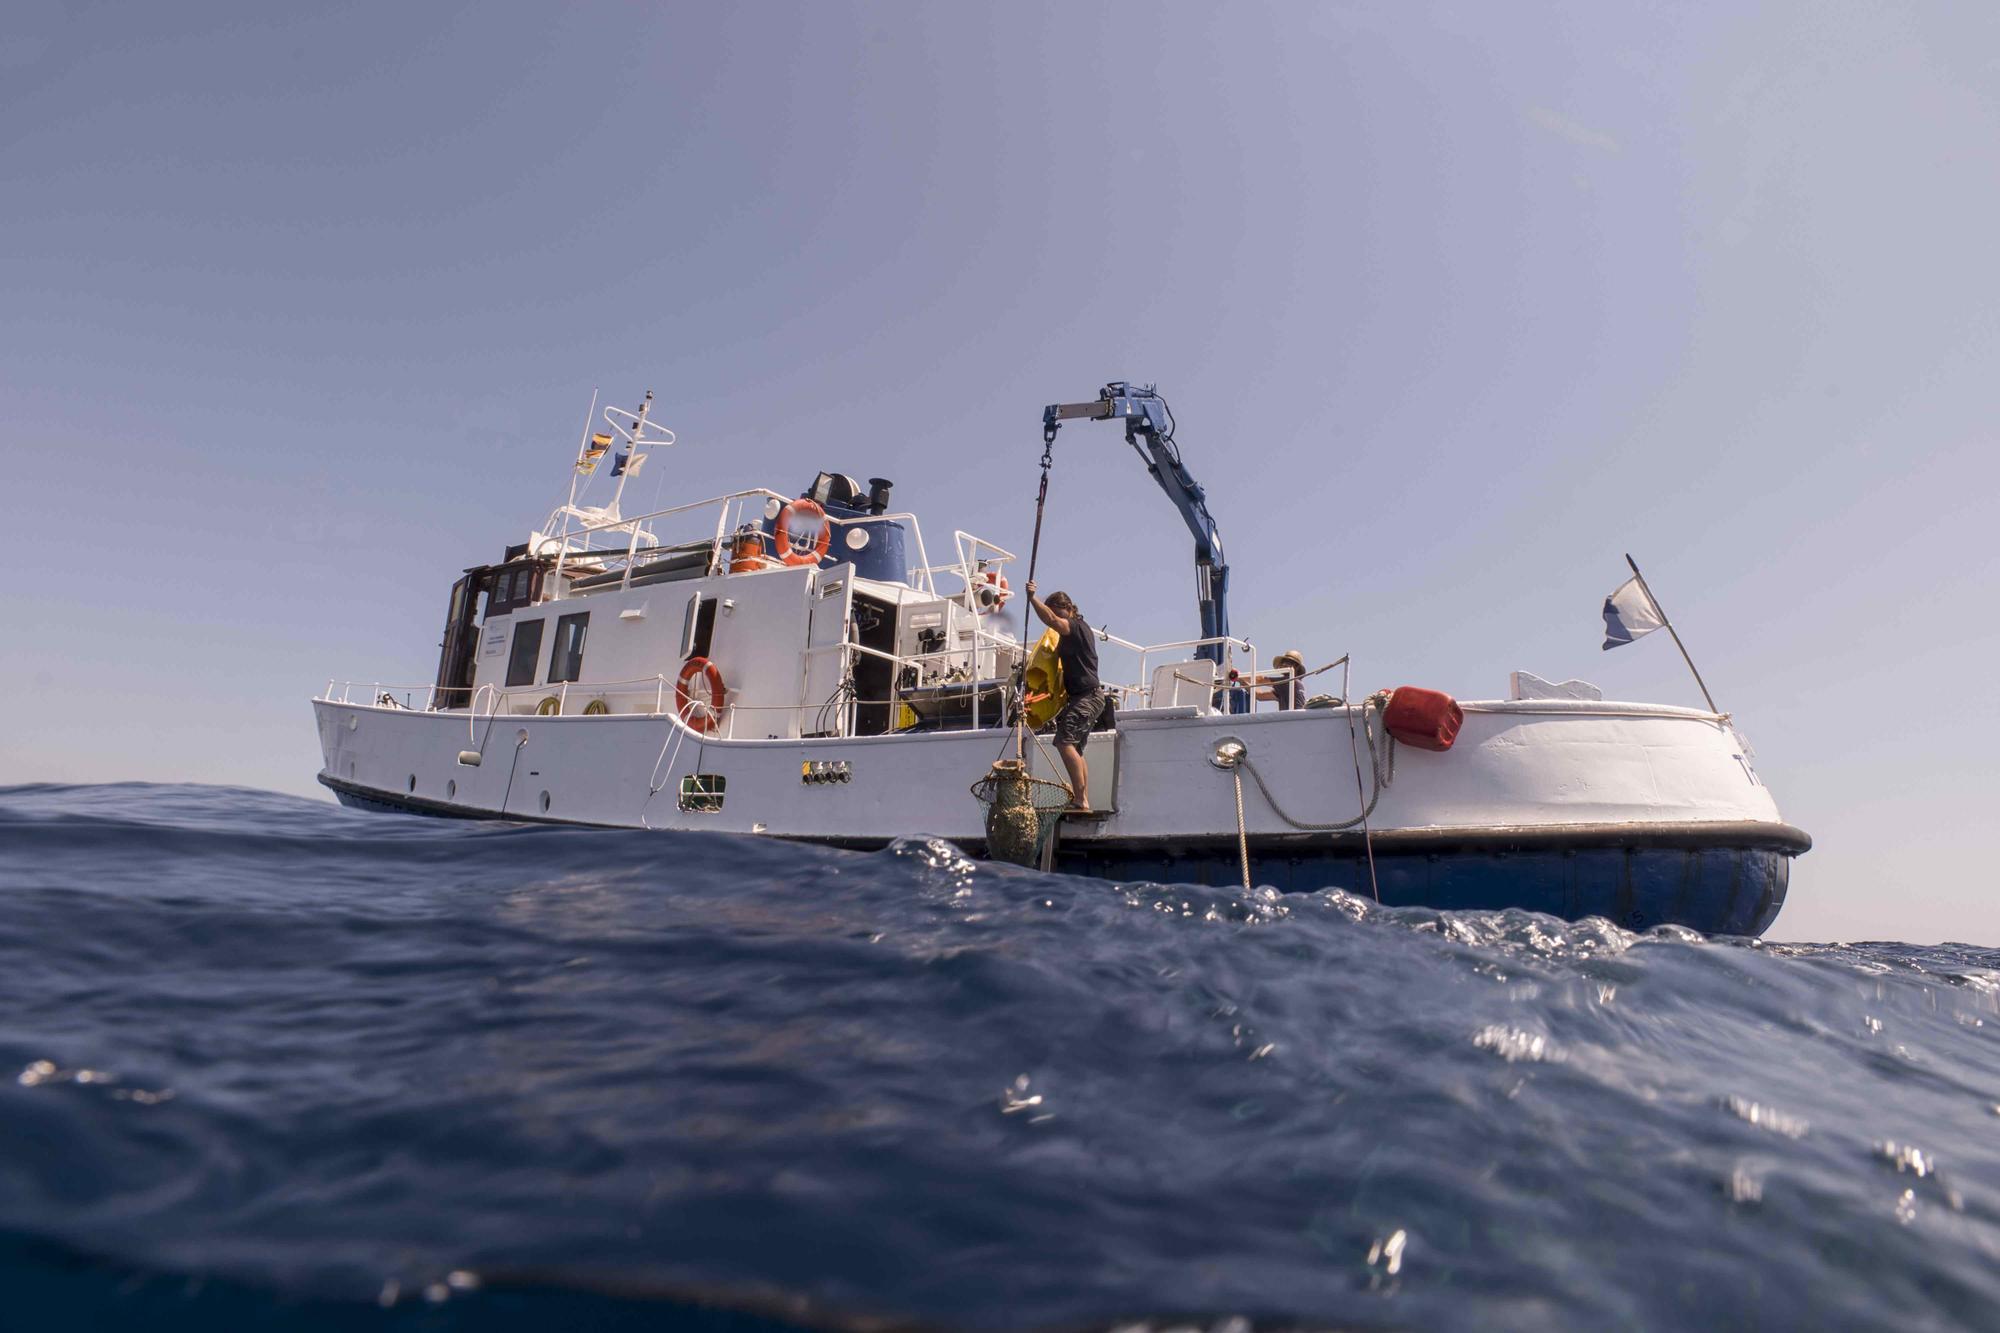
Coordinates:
[1077,717]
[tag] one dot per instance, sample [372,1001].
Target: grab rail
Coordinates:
[1005,651]
[918,575]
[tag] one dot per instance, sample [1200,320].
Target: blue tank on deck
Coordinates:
[877,547]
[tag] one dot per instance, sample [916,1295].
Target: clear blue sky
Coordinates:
[300,314]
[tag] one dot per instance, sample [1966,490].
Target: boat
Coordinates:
[806,667]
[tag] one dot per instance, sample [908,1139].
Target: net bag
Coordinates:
[1021,812]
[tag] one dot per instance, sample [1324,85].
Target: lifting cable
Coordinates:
[1028,609]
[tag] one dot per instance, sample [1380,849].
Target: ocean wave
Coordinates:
[258,1052]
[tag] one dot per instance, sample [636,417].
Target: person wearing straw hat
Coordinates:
[1284,683]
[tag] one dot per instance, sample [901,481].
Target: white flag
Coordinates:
[1630,614]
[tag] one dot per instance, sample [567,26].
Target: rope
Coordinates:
[1367,835]
[1382,766]
[1242,829]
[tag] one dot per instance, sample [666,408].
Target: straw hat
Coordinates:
[1292,655]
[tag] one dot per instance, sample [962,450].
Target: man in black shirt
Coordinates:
[1076,649]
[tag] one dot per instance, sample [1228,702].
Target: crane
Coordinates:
[1149,429]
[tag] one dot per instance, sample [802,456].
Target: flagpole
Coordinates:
[1647,589]
[581,445]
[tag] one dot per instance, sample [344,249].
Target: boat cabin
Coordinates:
[790,618]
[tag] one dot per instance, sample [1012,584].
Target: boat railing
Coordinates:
[413,698]
[1005,654]
[603,557]
[1139,694]
[421,698]
[733,511]
[981,668]
[976,557]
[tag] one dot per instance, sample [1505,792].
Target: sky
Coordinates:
[302,308]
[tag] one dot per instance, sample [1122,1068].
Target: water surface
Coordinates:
[266,1060]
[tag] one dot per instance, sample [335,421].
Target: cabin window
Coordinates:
[513,587]
[527,652]
[566,662]
[500,593]
[687,625]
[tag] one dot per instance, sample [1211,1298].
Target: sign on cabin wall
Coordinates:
[496,639]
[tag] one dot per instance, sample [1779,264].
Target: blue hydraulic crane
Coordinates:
[1149,429]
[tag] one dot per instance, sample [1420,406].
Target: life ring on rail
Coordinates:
[814,552]
[990,592]
[699,695]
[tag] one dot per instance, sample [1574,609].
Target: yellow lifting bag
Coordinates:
[1046,695]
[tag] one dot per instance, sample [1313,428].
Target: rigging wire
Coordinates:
[1028,610]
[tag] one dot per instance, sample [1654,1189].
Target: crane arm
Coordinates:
[1149,429]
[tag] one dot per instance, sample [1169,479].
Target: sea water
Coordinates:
[265,1061]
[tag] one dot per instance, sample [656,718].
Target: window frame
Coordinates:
[531,660]
[572,662]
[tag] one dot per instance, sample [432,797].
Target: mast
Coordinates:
[637,435]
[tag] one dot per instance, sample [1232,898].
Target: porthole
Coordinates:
[545,802]
[451,789]
[413,782]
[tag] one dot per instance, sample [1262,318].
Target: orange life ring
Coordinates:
[814,553]
[998,581]
[703,714]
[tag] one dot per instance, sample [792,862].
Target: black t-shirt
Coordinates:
[1077,651]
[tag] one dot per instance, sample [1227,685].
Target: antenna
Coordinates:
[637,436]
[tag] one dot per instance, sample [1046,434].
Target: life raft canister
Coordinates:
[1425,719]
[813,552]
[746,550]
[699,696]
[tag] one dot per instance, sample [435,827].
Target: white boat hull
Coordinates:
[1645,814]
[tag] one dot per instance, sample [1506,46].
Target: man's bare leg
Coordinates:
[1079,775]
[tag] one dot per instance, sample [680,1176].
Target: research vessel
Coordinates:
[806,666]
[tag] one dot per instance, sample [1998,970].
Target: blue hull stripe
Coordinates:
[1716,890]
[1720,880]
